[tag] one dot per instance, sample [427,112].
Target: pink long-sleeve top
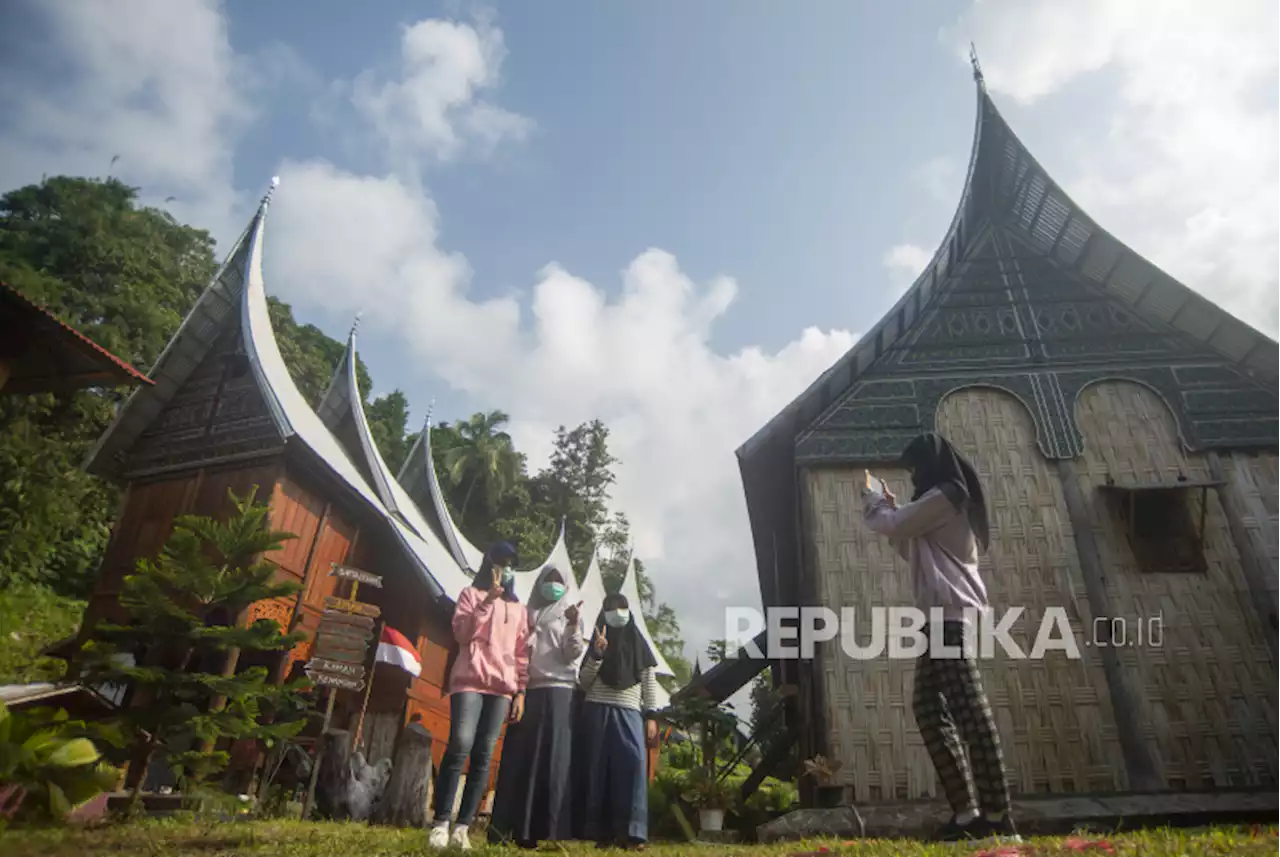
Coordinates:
[493,645]
[933,535]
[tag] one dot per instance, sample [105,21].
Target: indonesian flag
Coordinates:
[394,649]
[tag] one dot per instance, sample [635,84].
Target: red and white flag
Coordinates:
[396,650]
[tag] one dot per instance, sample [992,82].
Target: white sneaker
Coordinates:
[439,837]
[458,839]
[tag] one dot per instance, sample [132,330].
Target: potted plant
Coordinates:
[711,796]
[823,771]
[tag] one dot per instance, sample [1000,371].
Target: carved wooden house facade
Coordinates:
[1126,431]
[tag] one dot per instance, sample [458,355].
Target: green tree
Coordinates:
[717,650]
[183,607]
[575,487]
[483,458]
[34,617]
[125,275]
[388,418]
[310,354]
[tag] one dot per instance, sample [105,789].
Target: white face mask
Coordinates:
[617,618]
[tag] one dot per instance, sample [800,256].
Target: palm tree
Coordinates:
[483,454]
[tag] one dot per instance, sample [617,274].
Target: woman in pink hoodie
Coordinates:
[486,688]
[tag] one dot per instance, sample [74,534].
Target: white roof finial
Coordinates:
[266,197]
[355,324]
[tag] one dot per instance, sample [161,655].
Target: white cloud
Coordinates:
[432,108]
[152,81]
[941,178]
[640,359]
[905,262]
[1187,174]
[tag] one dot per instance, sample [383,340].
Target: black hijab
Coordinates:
[935,463]
[627,655]
[484,577]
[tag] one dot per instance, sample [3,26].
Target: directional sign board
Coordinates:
[340,682]
[346,631]
[352,671]
[347,606]
[335,618]
[356,636]
[346,572]
[336,651]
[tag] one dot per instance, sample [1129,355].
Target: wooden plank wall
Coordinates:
[147,516]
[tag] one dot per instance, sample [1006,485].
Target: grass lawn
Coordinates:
[296,839]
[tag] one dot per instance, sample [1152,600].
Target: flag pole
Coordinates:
[368,686]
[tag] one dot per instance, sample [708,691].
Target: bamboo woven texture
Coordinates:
[1207,695]
[1255,480]
[1053,714]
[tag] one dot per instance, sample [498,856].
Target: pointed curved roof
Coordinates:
[1009,194]
[237,295]
[343,400]
[419,470]
[631,590]
[418,475]
[592,591]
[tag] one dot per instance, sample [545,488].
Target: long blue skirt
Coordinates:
[533,798]
[616,799]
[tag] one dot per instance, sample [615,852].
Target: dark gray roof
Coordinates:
[1006,189]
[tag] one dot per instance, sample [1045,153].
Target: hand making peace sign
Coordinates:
[600,643]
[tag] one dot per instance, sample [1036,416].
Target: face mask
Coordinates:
[617,618]
[553,591]
[508,575]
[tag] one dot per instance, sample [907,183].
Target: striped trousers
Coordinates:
[954,716]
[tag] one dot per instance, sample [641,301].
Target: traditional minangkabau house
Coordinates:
[1125,428]
[220,413]
[41,354]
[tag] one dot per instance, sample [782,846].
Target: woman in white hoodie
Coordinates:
[532,800]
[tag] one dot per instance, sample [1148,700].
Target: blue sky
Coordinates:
[670,216]
[683,128]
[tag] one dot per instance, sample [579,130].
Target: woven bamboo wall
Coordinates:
[1207,696]
[1054,715]
[870,727]
[1255,480]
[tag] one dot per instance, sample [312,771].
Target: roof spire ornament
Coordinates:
[431,406]
[355,324]
[266,197]
[977,66]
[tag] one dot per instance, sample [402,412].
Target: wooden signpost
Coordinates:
[341,651]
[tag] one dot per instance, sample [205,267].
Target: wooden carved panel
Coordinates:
[219,412]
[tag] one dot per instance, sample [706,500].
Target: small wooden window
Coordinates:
[1163,532]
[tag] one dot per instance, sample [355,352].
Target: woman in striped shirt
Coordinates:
[621,695]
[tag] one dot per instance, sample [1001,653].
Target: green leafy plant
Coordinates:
[704,721]
[705,790]
[48,764]
[773,796]
[183,605]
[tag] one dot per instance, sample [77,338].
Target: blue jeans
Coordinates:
[475,719]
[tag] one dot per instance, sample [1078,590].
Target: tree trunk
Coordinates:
[404,804]
[333,787]
[466,498]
